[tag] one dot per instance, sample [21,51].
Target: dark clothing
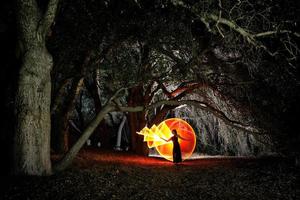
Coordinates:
[176,149]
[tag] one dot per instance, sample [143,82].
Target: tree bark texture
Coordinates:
[32,139]
[137,121]
[33,96]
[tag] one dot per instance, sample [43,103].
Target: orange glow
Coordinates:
[154,135]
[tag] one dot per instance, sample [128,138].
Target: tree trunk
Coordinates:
[63,106]
[33,96]
[32,139]
[59,136]
[119,135]
[60,120]
[137,122]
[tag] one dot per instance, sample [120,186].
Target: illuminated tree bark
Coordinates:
[33,97]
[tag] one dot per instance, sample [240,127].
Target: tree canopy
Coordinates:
[151,56]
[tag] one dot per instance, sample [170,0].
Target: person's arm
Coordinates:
[168,140]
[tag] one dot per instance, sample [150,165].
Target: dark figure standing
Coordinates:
[176,146]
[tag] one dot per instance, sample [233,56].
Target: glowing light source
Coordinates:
[156,137]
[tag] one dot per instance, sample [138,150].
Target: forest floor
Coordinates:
[120,175]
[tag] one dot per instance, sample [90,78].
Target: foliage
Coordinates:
[246,51]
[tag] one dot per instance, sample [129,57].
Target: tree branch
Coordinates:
[250,37]
[202,105]
[268,33]
[116,95]
[27,14]
[70,155]
[48,17]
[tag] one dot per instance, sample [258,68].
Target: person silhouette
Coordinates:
[176,146]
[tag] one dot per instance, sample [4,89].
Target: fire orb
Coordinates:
[156,138]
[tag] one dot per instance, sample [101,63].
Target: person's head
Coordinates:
[174,132]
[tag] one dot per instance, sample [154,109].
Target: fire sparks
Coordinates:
[157,136]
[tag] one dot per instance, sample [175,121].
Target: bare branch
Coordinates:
[27,15]
[268,33]
[242,31]
[250,37]
[202,105]
[48,17]
[116,94]
[130,109]
[67,159]
[217,113]
[220,16]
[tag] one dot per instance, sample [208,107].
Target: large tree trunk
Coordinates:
[137,121]
[32,135]
[32,139]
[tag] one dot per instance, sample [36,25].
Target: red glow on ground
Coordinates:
[91,157]
[106,157]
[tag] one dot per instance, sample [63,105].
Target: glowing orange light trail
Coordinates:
[156,138]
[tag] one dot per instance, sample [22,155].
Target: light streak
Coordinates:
[156,137]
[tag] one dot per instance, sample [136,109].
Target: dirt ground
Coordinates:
[117,175]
